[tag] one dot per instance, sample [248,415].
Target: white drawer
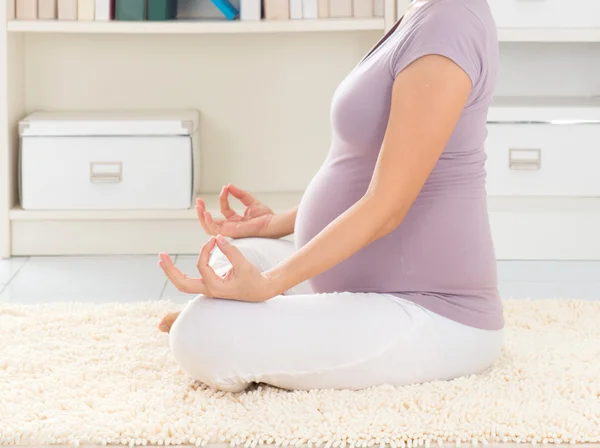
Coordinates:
[106,173]
[546,13]
[542,159]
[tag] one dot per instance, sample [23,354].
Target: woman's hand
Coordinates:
[254,223]
[243,282]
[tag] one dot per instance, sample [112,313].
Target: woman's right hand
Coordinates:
[254,223]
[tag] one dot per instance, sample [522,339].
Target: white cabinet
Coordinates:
[543,152]
[542,178]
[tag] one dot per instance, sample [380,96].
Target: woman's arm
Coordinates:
[281,225]
[427,100]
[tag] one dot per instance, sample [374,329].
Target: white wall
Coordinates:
[264,100]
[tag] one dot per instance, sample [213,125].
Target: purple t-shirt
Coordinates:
[441,256]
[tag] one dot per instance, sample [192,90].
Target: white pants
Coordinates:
[303,340]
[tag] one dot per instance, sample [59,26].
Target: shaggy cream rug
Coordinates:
[84,374]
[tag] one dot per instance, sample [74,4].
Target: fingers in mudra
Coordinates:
[180,280]
[242,282]
[226,210]
[255,219]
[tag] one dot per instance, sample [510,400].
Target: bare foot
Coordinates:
[167,322]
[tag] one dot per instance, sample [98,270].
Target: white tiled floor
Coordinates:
[135,278]
[8,269]
[93,279]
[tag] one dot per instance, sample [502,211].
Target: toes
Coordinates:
[167,322]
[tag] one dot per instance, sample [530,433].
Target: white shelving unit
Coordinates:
[264,84]
[263,90]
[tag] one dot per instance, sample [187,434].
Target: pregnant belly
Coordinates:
[332,191]
[442,246]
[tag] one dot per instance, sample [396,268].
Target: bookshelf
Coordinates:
[228,70]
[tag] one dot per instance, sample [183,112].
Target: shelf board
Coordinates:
[276,26]
[194,27]
[549,34]
[279,202]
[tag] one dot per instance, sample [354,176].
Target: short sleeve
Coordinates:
[446,29]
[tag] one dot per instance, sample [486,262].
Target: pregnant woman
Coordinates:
[392,276]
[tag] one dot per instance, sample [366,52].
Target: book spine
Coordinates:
[226,8]
[47,9]
[67,9]
[340,8]
[26,10]
[131,10]
[296,10]
[103,10]
[378,7]
[86,10]
[10,10]
[250,9]
[162,9]
[362,8]
[310,9]
[322,9]
[277,9]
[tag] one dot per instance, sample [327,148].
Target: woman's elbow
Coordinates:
[388,213]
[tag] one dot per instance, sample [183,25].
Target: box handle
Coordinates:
[524,159]
[106,172]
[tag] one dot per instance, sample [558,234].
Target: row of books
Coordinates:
[153,10]
[320,9]
[92,9]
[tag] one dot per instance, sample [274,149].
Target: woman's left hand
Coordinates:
[243,282]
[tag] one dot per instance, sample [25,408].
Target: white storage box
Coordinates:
[108,160]
[542,150]
[546,13]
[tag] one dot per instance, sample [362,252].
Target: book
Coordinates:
[362,8]
[10,10]
[162,9]
[322,9]
[378,8]
[26,10]
[86,10]
[227,9]
[340,8]
[47,9]
[277,9]
[67,9]
[202,10]
[310,9]
[296,9]
[131,10]
[250,9]
[105,9]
